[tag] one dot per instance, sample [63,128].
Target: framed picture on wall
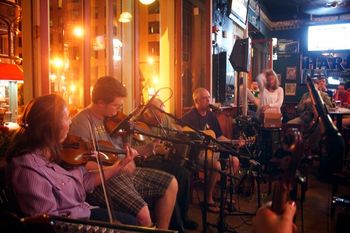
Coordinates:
[290,89]
[285,46]
[291,73]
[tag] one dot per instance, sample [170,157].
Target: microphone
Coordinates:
[214,108]
[149,102]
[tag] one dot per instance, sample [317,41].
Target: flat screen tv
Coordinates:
[238,11]
[329,37]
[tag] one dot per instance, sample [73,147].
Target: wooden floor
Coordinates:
[316,208]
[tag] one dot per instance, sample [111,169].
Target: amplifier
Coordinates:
[56,224]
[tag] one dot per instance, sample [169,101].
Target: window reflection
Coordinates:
[84,48]
[149,47]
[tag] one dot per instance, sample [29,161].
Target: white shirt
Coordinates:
[273,99]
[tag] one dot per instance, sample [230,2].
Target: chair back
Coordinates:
[8,201]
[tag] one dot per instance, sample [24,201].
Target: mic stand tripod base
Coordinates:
[221,224]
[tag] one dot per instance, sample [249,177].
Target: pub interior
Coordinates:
[227,106]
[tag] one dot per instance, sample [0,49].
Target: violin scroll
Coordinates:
[111,124]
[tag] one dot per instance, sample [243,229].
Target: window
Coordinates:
[153,28]
[75,14]
[154,8]
[114,10]
[96,12]
[75,53]
[153,48]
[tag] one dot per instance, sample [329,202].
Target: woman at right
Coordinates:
[271,94]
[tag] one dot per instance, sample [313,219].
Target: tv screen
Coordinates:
[329,37]
[239,11]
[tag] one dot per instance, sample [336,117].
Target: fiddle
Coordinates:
[289,163]
[111,124]
[75,151]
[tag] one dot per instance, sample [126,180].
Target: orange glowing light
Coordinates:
[146,2]
[78,31]
[57,62]
[150,60]
[155,80]
[125,17]
[53,77]
[72,88]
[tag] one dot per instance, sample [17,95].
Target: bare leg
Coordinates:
[165,205]
[235,164]
[144,217]
[213,179]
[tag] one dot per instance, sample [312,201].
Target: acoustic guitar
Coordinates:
[234,142]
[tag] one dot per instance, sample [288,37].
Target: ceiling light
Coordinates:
[125,17]
[147,2]
[78,31]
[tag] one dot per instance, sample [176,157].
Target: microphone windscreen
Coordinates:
[214,108]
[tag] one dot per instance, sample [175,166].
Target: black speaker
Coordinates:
[240,55]
[219,76]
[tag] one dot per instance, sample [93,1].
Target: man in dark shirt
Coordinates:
[201,118]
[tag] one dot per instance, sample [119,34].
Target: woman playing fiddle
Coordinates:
[39,183]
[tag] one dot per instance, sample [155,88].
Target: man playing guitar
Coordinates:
[201,118]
